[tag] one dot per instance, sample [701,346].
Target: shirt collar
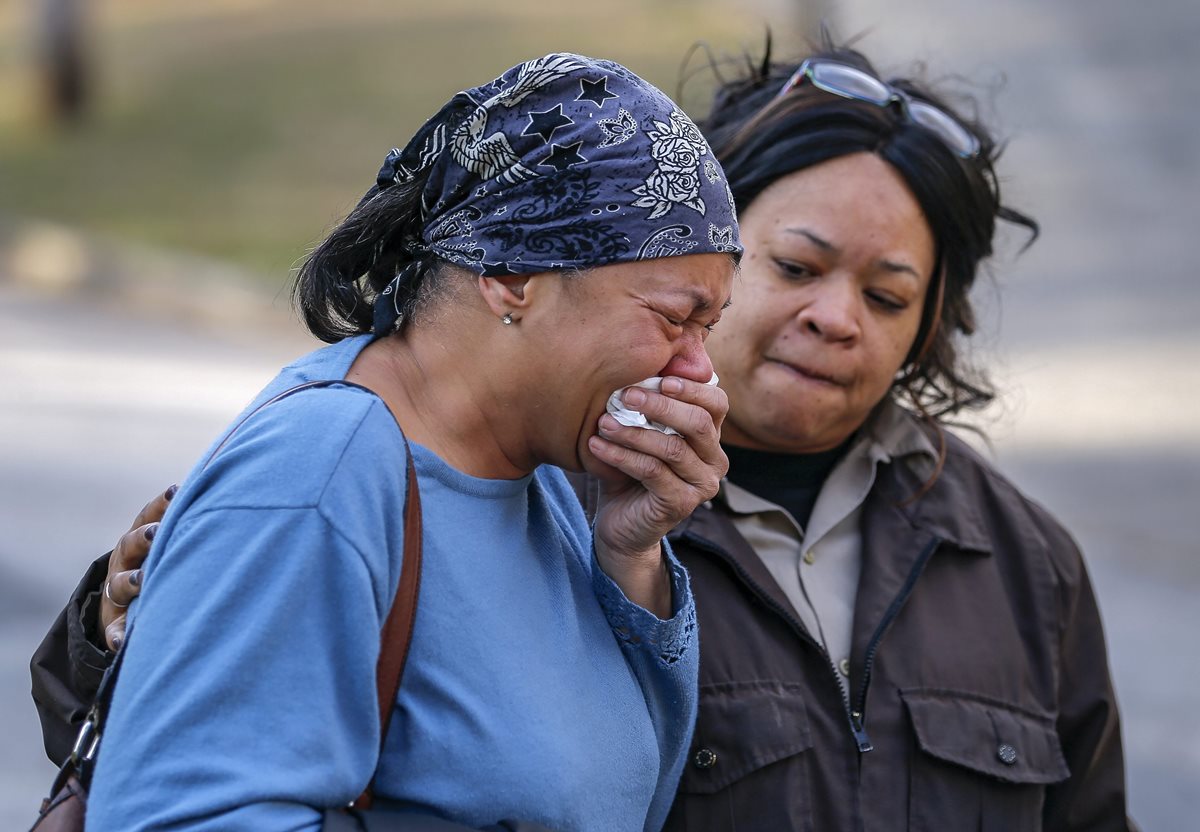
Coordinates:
[890,433]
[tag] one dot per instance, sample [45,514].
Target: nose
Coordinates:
[832,314]
[691,360]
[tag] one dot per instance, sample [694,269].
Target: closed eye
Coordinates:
[887,302]
[795,271]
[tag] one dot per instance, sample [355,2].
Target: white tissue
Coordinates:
[633,419]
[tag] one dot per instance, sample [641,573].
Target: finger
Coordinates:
[114,633]
[131,550]
[708,396]
[154,510]
[673,449]
[695,422]
[123,587]
[653,473]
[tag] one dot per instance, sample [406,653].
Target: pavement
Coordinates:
[119,366]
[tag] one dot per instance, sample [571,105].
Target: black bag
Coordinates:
[65,808]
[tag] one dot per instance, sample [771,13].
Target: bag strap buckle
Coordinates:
[88,739]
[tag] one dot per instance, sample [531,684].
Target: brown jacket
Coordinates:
[979,695]
[979,676]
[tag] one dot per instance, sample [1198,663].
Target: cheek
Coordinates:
[891,345]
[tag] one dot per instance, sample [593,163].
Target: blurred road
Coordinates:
[1092,331]
[99,409]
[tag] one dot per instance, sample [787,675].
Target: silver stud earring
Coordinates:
[507,319]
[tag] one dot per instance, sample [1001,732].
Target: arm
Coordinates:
[247,696]
[274,715]
[1093,798]
[643,590]
[664,657]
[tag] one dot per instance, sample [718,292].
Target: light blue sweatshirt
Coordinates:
[534,689]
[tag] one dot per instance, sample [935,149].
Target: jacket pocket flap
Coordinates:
[987,737]
[742,727]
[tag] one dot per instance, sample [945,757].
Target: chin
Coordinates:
[793,434]
[601,471]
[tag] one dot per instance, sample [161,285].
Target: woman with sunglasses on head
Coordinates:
[514,269]
[894,638]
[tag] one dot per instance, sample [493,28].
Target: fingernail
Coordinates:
[608,424]
[117,642]
[151,530]
[635,396]
[672,385]
[136,578]
[170,492]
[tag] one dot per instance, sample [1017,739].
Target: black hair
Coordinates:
[336,287]
[761,137]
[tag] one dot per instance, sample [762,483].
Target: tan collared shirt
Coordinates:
[818,567]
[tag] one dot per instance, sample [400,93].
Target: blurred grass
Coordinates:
[242,129]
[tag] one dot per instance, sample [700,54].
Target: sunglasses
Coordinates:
[849,82]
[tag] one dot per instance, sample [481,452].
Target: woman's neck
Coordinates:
[447,402]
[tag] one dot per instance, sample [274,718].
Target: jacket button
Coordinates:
[810,557]
[704,758]
[1007,754]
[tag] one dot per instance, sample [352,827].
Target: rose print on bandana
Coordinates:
[677,149]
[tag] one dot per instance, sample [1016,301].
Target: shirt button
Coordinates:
[844,666]
[810,557]
[1007,754]
[704,758]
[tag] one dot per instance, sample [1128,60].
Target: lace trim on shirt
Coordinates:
[639,629]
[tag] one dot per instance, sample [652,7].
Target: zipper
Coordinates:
[855,718]
[888,617]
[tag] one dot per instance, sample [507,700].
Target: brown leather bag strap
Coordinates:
[396,635]
[397,630]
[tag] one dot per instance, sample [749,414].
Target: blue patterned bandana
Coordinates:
[564,162]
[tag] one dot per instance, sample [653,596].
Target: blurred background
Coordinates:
[164,165]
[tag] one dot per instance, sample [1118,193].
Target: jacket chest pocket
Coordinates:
[747,768]
[979,764]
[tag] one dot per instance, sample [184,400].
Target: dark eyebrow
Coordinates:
[819,242]
[904,268]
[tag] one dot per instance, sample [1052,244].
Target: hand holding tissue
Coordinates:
[633,419]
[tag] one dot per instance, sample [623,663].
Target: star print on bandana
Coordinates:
[595,91]
[545,123]
[563,156]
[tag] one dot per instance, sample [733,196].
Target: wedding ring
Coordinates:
[108,595]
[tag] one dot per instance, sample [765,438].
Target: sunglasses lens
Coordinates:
[850,82]
[956,137]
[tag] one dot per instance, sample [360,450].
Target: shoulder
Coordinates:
[1017,526]
[289,453]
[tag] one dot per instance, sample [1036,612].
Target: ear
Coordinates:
[506,294]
